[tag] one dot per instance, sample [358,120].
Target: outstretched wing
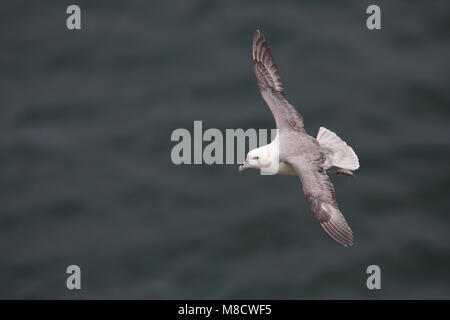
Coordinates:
[269,83]
[319,193]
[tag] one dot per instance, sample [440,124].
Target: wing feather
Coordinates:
[271,87]
[319,193]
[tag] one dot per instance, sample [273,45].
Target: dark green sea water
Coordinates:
[86,176]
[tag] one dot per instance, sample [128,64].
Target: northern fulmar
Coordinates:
[297,153]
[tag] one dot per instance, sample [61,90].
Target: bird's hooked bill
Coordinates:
[243,166]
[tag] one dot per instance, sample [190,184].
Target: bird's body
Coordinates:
[294,152]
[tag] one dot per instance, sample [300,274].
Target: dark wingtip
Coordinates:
[258,35]
[262,56]
[258,44]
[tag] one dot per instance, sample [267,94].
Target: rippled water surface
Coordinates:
[86,176]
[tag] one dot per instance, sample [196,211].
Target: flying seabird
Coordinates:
[297,153]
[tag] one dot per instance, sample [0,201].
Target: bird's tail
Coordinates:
[340,154]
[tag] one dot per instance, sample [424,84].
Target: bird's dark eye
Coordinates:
[256,158]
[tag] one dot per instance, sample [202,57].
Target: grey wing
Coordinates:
[269,83]
[319,193]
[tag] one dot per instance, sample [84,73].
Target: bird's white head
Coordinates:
[258,158]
